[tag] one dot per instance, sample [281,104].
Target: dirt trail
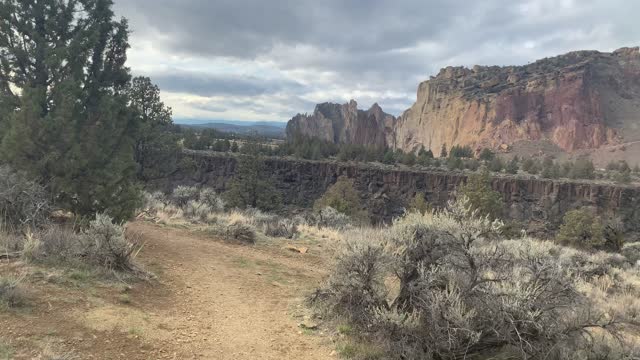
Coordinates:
[212,300]
[232,301]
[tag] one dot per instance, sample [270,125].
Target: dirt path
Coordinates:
[231,301]
[212,300]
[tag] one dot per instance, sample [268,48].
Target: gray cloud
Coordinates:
[379,46]
[204,84]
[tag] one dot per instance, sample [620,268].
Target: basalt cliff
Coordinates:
[580,100]
[386,191]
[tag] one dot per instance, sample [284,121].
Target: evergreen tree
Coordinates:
[443,151]
[481,195]
[343,197]
[389,157]
[156,148]
[252,185]
[73,129]
[513,166]
[496,165]
[487,155]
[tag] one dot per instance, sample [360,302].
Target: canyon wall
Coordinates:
[580,100]
[386,191]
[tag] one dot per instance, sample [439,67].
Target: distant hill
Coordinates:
[272,129]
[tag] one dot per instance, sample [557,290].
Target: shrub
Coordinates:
[444,286]
[197,210]
[284,228]
[22,202]
[341,196]
[331,218]
[212,199]
[631,252]
[419,204]
[355,288]
[106,246]
[183,194]
[581,228]
[240,232]
[11,293]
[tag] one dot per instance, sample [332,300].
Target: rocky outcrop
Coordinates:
[345,124]
[580,100]
[386,191]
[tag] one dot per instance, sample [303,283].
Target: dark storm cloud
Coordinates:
[376,45]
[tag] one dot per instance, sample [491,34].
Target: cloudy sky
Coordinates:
[271,59]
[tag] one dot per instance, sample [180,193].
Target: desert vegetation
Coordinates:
[448,285]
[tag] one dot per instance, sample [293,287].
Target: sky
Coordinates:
[267,60]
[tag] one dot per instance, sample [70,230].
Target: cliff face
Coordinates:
[580,100]
[386,192]
[345,124]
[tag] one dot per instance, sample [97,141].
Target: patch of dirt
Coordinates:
[211,300]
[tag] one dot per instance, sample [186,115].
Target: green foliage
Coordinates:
[481,195]
[343,197]
[531,166]
[156,147]
[389,157]
[461,152]
[443,151]
[512,166]
[409,159]
[419,203]
[455,163]
[496,164]
[581,228]
[73,130]
[487,155]
[252,186]
[582,169]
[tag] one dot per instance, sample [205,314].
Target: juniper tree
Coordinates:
[63,66]
[156,147]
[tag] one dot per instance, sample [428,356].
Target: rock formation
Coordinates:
[580,100]
[345,124]
[387,191]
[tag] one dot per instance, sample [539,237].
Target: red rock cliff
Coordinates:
[580,100]
[567,99]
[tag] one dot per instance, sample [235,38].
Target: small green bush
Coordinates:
[581,228]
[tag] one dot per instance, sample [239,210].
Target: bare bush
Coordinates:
[284,228]
[461,292]
[631,252]
[22,201]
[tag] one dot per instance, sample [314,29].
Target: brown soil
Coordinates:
[211,300]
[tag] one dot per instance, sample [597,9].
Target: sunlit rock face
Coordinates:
[345,124]
[580,100]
